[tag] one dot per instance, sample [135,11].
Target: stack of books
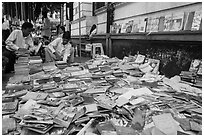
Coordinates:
[35,64]
[188,76]
[61,64]
[194,74]
[22,53]
[35,60]
[21,67]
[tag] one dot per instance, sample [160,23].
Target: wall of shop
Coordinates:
[86,23]
[86,20]
[102,19]
[135,11]
[139,8]
[85,9]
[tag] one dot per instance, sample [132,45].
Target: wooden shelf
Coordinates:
[169,36]
[166,36]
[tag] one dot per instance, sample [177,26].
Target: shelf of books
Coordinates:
[179,26]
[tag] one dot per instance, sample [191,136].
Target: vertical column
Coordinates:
[22,11]
[108,30]
[79,29]
[16,9]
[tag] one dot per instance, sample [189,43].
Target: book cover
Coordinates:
[123,28]
[118,28]
[149,20]
[106,128]
[177,21]
[161,23]
[37,48]
[200,69]
[113,28]
[135,27]
[194,65]
[142,25]
[9,106]
[154,24]
[197,20]
[189,20]
[168,22]
[200,25]
[140,58]
[129,26]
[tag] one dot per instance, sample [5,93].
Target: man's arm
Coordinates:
[67,52]
[10,41]
[29,43]
[54,44]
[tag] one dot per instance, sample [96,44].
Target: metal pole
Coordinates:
[79,31]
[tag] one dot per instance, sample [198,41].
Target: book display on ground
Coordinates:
[104,96]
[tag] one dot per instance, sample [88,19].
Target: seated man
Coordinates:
[18,40]
[60,50]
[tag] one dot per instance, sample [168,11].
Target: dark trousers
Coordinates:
[12,59]
[5,34]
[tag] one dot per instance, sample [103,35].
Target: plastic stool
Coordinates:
[97,46]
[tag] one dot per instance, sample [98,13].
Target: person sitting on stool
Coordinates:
[18,40]
[60,50]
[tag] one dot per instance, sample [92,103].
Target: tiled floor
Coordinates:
[5,77]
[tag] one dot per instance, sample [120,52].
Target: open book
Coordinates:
[38,48]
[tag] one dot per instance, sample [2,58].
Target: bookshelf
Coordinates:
[169,36]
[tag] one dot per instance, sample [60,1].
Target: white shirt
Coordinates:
[16,41]
[63,50]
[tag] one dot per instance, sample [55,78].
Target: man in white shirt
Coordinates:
[5,24]
[5,29]
[18,40]
[60,50]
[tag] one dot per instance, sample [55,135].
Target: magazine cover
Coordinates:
[168,22]
[177,21]
[197,20]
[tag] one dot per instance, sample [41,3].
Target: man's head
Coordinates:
[60,29]
[66,38]
[27,28]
